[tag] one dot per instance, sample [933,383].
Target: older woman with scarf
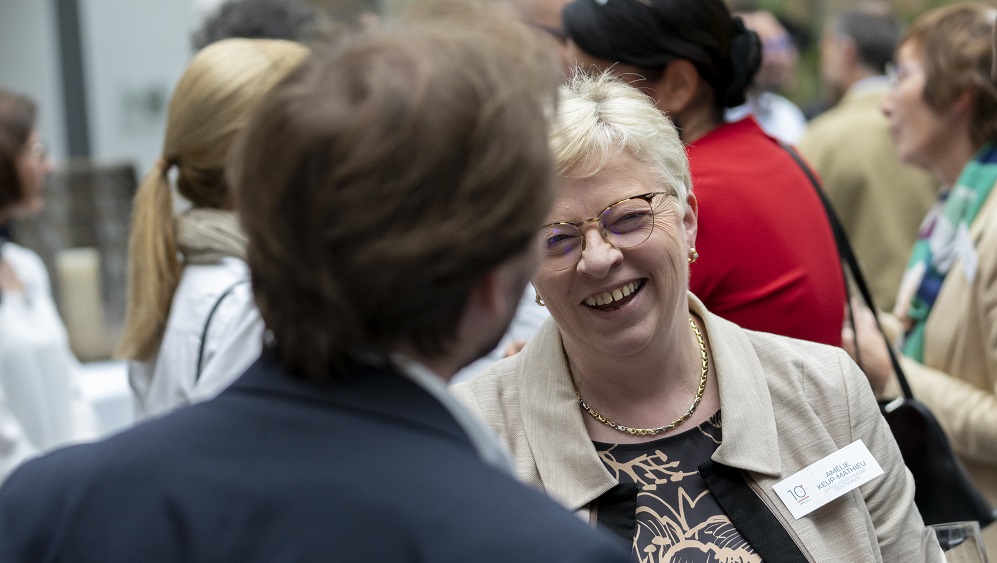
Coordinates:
[191,325]
[942,112]
[767,255]
[649,415]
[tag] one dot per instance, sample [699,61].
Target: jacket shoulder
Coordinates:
[493,393]
[823,376]
[219,502]
[828,132]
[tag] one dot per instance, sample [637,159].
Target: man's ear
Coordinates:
[486,292]
[677,88]
[502,287]
[849,52]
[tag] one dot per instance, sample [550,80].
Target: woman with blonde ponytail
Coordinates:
[191,325]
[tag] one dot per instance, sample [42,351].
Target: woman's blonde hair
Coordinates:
[600,116]
[211,103]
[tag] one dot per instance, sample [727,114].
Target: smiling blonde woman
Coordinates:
[647,414]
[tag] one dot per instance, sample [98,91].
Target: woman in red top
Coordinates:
[767,257]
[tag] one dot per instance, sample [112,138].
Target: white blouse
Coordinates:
[41,405]
[234,340]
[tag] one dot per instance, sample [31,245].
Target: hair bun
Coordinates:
[745,58]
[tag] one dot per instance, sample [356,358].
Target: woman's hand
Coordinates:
[870,350]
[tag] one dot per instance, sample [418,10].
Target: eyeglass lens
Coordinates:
[624,225]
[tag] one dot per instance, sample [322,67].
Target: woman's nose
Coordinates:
[598,255]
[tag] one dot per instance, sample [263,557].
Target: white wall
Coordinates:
[29,63]
[134,52]
[204,8]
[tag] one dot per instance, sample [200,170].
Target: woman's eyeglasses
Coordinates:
[624,224]
[895,73]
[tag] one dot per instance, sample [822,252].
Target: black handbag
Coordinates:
[943,491]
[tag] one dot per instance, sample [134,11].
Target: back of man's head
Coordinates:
[874,30]
[545,17]
[382,180]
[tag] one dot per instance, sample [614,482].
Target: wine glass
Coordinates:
[962,542]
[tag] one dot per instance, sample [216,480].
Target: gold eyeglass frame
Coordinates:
[602,230]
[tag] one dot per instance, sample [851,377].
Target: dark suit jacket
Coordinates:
[282,469]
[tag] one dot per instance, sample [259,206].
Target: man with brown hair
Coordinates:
[390,192]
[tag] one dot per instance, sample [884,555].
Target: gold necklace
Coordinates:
[651,431]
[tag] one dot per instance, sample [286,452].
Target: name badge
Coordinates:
[818,484]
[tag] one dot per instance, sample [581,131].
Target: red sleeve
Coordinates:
[768,260]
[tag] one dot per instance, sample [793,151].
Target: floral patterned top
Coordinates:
[677,520]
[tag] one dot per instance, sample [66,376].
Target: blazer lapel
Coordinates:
[566,460]
[983,217]
[750,439]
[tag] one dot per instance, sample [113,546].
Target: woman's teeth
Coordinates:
[607,297]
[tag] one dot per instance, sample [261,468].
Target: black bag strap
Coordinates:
[848,256]
[207,323]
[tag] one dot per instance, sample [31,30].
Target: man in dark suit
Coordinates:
[391,192]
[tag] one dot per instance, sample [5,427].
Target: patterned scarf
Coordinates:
[936,249]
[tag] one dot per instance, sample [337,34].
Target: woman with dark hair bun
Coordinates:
[767,257]
[41,406]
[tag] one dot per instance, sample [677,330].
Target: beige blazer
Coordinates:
[880,201]
[785,403]
[958,380]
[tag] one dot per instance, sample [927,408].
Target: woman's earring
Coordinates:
[693,255]
[538,300]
